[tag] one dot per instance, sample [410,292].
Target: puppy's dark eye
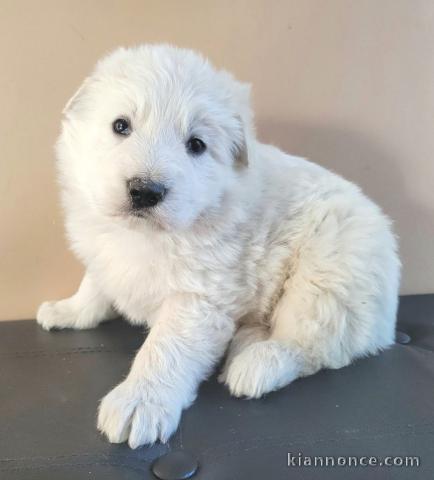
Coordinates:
[121,126]
[195,146]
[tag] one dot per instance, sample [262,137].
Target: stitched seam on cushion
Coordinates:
[85,464]
[47,353]
[147,455]
[56,457]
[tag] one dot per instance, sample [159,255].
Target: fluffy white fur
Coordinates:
[281,263]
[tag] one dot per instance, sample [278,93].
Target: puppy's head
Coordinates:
[155,135]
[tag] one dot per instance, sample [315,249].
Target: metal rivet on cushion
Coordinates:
[402,338]
[176,465]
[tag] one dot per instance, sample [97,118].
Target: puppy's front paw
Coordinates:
[134,411]
[260,368]
[54,315]
[66,314]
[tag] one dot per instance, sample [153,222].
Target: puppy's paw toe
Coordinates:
[127,414]
[260,368]
[150,423]
[50,315]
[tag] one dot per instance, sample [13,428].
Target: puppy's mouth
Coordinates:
[148,216]
[138,214]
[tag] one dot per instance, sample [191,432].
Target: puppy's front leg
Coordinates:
[85,309]
[187,339]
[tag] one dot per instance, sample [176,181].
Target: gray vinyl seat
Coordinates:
[50,385]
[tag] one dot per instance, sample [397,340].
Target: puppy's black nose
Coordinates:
[145,194]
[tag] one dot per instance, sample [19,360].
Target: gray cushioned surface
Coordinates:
[50,384]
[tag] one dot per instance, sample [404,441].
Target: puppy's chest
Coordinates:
[137,276]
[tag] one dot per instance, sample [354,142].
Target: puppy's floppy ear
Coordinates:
[244,118]
[77,99]
[240,146]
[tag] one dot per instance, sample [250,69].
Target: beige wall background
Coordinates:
[349,84]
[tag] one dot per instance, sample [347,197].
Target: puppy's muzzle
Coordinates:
[145,194]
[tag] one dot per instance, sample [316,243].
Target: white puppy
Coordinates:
[189,225]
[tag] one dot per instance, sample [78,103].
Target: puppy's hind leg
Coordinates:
[85,309]
[245,336]
[337,305]
[259,365]
[295,347]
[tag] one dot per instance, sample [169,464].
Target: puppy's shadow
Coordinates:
[364,161]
